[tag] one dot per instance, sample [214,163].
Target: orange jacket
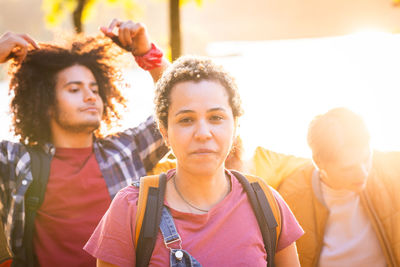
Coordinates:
[381,200]
[274,167]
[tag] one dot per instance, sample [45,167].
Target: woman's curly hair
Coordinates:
[196,69]
[32,85]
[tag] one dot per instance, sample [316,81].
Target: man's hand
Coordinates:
[131,36]
[14,45]
[134,37]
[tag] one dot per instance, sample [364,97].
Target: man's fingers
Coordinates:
[20,49]
[30,40]
[121,37]
[114,23]
[131,35]
[126,35]
[106,32]
[135,30]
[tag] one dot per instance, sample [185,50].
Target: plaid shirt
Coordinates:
[123,158]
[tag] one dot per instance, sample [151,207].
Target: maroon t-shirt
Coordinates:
[228,235]
[76,199]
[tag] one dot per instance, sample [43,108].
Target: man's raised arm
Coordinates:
[133,37]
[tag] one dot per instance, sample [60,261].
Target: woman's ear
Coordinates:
[164,133]
[236,129]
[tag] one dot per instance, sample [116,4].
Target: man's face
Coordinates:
[78,105]
[349,171]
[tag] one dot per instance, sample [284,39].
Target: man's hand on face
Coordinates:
[131,36]
[15,45]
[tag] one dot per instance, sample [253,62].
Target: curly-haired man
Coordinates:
[61,96]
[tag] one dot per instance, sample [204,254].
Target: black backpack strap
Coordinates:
[34,196]
[151,222]
[264,215]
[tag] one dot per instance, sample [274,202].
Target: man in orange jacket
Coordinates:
[347,200]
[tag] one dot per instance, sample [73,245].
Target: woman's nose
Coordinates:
[203,130]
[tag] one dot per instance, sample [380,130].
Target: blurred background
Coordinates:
[292,59]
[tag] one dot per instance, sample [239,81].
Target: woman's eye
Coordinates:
[185,120]
[216,118]
[74,90]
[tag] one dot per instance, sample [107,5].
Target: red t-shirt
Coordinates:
[228,235]
[76,199]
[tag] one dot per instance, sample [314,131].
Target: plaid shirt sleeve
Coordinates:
[156,148]
[14,163]
[148,142]
[129,155]
[15,178]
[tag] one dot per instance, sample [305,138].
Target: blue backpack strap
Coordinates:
[265,217]
[147,224]
[178,257]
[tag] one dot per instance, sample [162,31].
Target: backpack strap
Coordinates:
[151,199]
[266,210]
[34,196]
[148,216]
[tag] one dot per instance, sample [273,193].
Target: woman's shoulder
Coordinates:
[129,194]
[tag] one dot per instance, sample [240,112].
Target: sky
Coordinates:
[285,83]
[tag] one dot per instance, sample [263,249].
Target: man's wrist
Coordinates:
[150,60]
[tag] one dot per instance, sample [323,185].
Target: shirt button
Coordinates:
[24,182]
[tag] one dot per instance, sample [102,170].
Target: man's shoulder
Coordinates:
[12,149]
[298,182]
[298,192]
[386,168]
[386,159]
[275,167]
[9,143]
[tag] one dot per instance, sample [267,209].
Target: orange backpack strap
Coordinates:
[266,210]
[148,216]
[145,183]
[272,202]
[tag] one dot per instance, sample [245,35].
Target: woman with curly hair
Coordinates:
[60,97]
[205,207]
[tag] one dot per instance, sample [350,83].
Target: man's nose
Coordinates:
[89,95]
[363,171]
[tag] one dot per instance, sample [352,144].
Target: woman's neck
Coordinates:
[202,191]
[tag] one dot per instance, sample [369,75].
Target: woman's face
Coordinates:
[201,126]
